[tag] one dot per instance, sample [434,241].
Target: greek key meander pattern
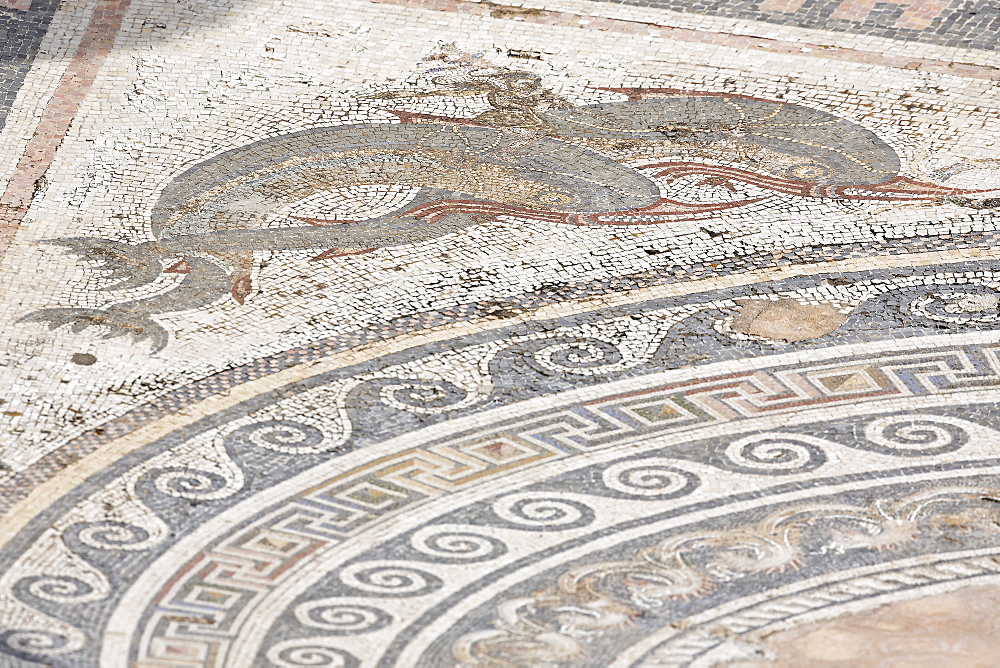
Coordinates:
[260,557]
[576,333]
[878,528]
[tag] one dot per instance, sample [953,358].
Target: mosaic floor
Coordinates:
[454,333]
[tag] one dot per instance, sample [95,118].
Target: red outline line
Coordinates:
[58,115]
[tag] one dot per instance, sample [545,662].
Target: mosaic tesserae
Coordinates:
[467,334]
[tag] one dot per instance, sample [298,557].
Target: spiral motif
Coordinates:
[653,477]
[585,356]
[543,511]
[960,306]
[425,396]
[456,543]
[389,579]
[310,652]
[338,618]
[915,435]
[280,436]
[111,535]
[186,483]
[808,171]
[34,643]
[774,454]
[55,588]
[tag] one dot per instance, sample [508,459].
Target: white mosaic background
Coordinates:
[186,82]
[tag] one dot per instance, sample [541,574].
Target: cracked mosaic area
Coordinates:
[448,333]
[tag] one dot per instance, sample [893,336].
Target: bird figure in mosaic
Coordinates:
[532,155]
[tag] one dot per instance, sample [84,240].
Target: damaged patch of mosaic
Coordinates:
[453,333]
